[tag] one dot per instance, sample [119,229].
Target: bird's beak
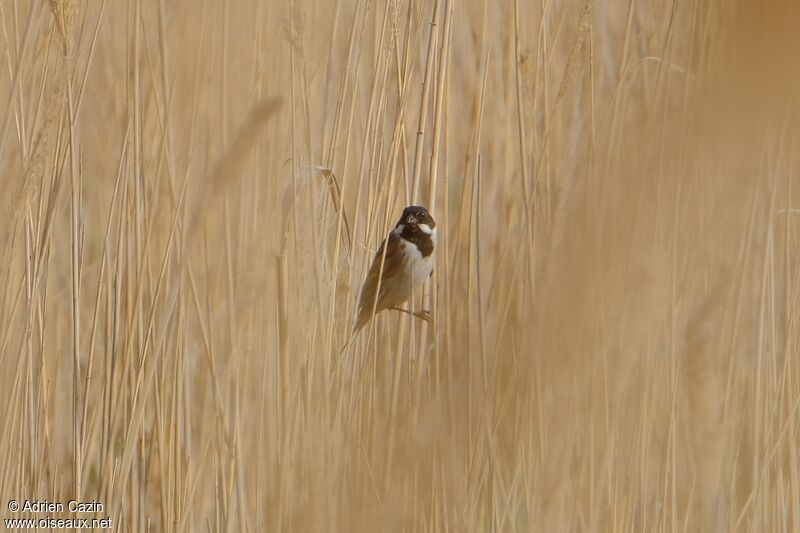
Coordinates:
[411,219]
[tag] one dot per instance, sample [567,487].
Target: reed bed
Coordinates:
[195,190]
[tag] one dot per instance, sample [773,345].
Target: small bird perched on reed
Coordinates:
[403,262]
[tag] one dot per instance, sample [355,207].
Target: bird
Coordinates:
[403,262]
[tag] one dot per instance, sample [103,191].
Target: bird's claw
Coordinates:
[424,314]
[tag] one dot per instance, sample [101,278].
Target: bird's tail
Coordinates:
[361,321]
[347,344]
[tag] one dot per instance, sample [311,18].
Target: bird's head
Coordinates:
[416,218]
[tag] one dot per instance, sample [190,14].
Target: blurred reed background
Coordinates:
[194,191]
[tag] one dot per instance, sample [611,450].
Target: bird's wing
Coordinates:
[391,268]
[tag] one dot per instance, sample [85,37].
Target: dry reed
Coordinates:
[195,192]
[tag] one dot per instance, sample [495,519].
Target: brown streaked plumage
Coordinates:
[407,263]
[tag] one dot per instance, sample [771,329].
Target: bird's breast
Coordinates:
[416,266]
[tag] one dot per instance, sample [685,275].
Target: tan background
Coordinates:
[614,340]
